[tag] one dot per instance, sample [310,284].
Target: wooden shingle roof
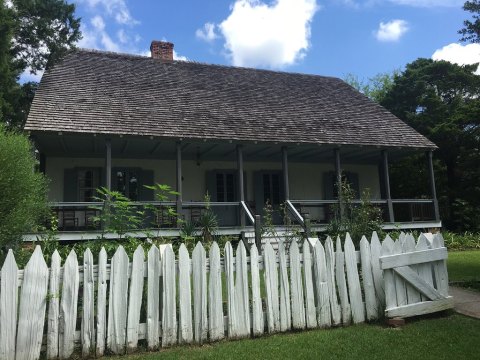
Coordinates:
[109,93]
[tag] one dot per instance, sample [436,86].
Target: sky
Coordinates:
[324,37]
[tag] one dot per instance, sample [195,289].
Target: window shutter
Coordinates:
[70,185]
[352,178]
[329,185]
[145,177]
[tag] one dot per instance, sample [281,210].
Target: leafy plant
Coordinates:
[23,194]
[268,228]
[208,222]
[162,193]
[118,214]
[357,219]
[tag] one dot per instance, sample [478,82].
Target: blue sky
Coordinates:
[326,37]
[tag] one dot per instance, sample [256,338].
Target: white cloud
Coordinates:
[207,32]
[122,36]
[116,8]
[429,3]
[268,35]
[27,76]
[459,54]
[177,56]
[391,31]
[98,23]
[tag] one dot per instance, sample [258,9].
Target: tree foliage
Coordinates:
[441,100]
[33,36]
[375,87]
[471,30]
[23,192]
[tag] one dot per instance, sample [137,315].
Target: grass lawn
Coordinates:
[440,337]
[464,265]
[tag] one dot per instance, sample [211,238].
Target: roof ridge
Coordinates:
[138,56]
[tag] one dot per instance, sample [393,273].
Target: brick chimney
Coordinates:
[162,50]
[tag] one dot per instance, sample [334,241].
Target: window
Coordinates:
[225,187]
[125,181]
[271,188]
[88,182]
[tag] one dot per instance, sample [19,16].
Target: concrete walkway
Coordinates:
[467,302]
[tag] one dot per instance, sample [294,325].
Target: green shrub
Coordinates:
[23,192]
[358,219]
[461,241]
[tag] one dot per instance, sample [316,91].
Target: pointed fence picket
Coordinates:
[301,288]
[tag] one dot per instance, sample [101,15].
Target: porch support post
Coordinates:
[432,185]
[386,178]
[241,193]
[286,188]
[108,164]
[338,179]
[179,180]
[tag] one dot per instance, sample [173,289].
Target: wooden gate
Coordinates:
[416,279]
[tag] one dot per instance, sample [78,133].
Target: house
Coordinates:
[245,136]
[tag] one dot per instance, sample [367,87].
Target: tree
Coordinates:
[23,192]
[471,30]
[375,87]
[34,35]
[441,100]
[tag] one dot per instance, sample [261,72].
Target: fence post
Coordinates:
[307,224]
[258,231]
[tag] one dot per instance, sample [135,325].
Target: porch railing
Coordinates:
[79,216]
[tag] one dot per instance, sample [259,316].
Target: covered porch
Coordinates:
[241,178]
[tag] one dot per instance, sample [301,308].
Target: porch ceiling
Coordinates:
[134,147]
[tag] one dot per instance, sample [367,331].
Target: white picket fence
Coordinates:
[101,308]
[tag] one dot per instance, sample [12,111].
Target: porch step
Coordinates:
[249,238]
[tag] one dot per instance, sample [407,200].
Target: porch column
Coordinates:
[108,164]
[179,178]
[386,178]
[338,178]
[286,188]
[432,185]
[241,193]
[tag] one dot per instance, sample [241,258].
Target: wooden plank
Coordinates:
[101,302]
[271,288]
[310,311]
[375,252]
[371,304]
[413,295]
[53,307]
[241,290]
[153,298]
[68,306]
[440,267]
[412,258]
[342,283]
[169,298]
[400,288]
[418,283]
[425,269]
[31,312]
[422,308]
[135,298]
[296,285]
[199,261]
[390,291]
[8,306]
[320,277]
[285,307]
[232,324]
[185,326]
[117,305]
[354,290]
[332,289]
[257,312]
[215,304]
[88,313]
